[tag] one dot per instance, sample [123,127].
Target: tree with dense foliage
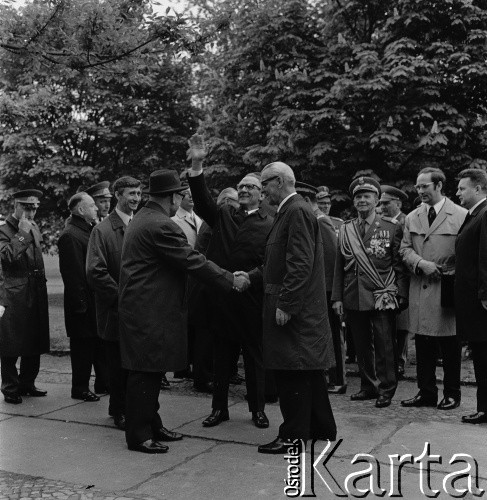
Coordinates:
[352,86]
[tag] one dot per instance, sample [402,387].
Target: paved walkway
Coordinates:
[56,447]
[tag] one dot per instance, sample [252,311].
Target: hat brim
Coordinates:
[168,191]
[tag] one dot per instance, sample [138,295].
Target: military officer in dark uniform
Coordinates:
[323,198]
[369,287]
[391,201]
[24,329]
[336,374]
[101,194]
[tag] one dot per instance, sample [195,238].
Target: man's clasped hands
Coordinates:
[241,281]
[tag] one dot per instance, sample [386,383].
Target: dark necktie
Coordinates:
[431,215]
[361,226]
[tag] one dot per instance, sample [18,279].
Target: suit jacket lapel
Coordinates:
[469,217]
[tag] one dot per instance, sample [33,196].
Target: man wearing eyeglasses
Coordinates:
[428,250]
[237,244]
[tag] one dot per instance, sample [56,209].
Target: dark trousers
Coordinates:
[373,334]
[13,381]
[87,353]
[239,324]
[141,406]
[304,403]
[337,374]
[402,348]
[479,358]
[426,355]
[117,378]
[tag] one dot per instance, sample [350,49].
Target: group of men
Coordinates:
[275,265]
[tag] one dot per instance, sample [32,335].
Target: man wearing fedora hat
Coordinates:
[156,258]
[369,287]
[24,328]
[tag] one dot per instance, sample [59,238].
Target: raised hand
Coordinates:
[241,281]
[25,224]
[197,151]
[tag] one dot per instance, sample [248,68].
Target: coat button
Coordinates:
[425,286]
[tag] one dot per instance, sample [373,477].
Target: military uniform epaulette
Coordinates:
[388,219]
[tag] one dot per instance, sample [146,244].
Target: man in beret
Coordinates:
[369,287]
[24,329]
[156,258]
[336,373]
[391,201]
[100,192]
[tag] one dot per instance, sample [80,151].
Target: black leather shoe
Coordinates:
[448,403]
[204,387]
[165,386]
[337,389]
[260,419]
[149,446]
[216,417]
[164,434]
[277,447]
[32,391]
[383,402]
[418,401]
[13,399]
[477,418]
[85,396]
[362,396]
[119,421]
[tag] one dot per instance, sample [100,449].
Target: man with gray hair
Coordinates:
[296,326]
[79,302]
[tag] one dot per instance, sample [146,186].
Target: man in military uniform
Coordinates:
[337,373]
[391,201]
[369,287]
[323,199]
[101,194]
[24,329]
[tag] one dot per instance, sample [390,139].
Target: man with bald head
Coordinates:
[296,326]
[237,244]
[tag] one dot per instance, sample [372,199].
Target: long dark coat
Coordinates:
[471,276]
[103,272]
[24,328]
[152,292]
[79,300]
[329,240]
[294,281]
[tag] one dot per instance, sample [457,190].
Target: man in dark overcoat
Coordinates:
[471,281]
[237,244]
[297,335]
[370,287]
[24,328]
[103,271]
[153,306]
[337,373]
[79,300]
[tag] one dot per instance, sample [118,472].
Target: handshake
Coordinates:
[241,281]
